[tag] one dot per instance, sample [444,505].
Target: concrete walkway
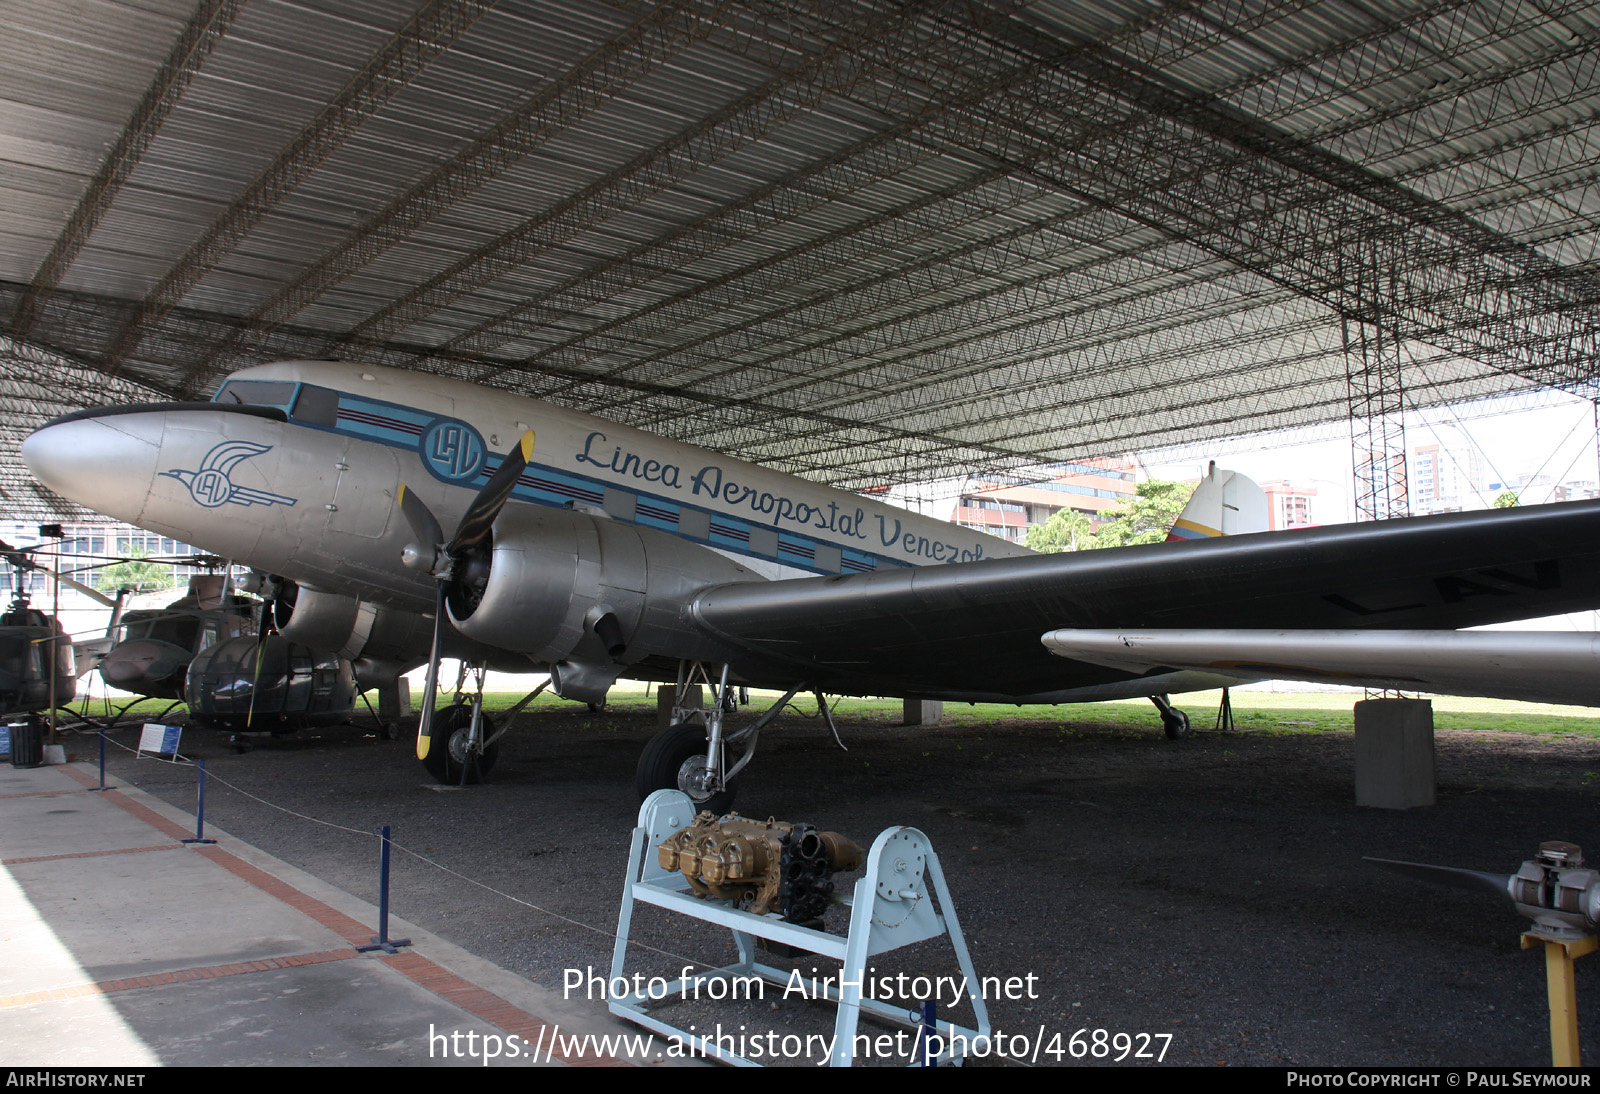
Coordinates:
[121,946]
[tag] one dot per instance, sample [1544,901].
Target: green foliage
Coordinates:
[1149,516]
[1507,500]
[136,575]
[1066,530]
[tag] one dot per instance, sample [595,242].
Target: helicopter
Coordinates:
[38,672]
[216,650]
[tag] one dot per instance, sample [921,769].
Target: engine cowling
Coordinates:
[354,629]
[583,593]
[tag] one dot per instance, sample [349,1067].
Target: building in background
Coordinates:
[1447,473]
[81,553]
[1290,504]
[1008,505]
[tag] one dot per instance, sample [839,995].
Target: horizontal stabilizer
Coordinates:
[1535,666]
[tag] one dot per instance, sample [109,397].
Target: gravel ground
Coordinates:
[1211,889]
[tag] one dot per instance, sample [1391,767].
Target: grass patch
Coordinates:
[1256,711]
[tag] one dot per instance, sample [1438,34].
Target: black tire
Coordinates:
[668,757]
[447,750]
[596,708]
[391,731]
[1176,725]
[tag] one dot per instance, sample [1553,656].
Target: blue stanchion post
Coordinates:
[200,809]
[383,941]
[102,786]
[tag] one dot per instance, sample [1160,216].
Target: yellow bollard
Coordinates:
[1559,954]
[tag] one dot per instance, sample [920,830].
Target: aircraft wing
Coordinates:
[1537,666]
[972,630]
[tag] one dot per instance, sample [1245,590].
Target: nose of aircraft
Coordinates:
[104,461]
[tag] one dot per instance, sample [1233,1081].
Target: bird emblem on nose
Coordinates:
[210,485]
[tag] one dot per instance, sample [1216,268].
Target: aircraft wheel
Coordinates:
[675,759]
[447,755]
[596,708]
[1176,724]
[391,731]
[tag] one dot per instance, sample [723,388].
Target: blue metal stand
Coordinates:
[383,941]
[893,906]
[200,811]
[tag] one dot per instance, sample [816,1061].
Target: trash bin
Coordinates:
[27,743]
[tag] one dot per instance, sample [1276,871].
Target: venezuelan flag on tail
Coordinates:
[1225,503]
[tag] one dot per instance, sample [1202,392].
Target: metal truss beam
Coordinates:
[875,45]
[206,27]
[36,385]
[426,36]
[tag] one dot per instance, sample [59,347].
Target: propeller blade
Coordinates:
[492,498]
[420,517]
[431,686]
[1455,877]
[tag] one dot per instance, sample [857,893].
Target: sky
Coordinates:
[1544,434]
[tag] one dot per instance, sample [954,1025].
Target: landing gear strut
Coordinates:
[465,743]
[691,754]
[1173,720]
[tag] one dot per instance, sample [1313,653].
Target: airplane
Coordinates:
[592,550]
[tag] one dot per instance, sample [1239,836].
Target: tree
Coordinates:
[1066,530]
[1148,516]
[136,575]
[1507,500]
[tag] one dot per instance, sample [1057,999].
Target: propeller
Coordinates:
[446,562]
[1554,888]
[1452,876]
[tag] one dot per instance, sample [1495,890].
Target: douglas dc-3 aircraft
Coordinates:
[597,551]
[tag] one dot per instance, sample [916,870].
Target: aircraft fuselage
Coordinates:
[294,466]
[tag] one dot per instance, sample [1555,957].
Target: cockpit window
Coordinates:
[302,402]
[257,393]
[316,406]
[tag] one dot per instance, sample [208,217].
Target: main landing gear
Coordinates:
[691,753]
[1173,720]
[465,742]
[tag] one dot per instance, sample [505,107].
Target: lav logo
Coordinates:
[210,485]
[452,450]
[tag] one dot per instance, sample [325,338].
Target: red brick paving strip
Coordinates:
[351,930]
[491,1008]
[179,976]
[143,812]
[441,982]
[91,854]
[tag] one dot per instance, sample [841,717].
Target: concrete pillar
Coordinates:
[394,700]
[666,696]
[922,712]
[1394,753]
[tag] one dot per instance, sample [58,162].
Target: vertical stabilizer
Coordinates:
[1225,503]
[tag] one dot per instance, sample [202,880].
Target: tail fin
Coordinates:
[1225,503]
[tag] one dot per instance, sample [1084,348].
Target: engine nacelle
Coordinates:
[353,629]
[584,594]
